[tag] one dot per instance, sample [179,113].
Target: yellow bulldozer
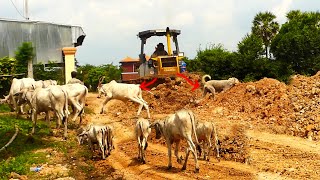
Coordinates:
[161,65]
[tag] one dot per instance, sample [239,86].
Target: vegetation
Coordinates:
[24,57]
[90,74]
[294,49]
[26,151]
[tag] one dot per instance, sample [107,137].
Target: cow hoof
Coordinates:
[143,161]
[184,168]
[169,167]
[197,170]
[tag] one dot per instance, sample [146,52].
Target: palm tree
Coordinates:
[265,27]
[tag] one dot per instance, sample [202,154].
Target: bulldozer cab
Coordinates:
[160,64]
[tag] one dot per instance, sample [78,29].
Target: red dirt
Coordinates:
[256,122]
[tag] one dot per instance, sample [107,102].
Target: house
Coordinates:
[130,68]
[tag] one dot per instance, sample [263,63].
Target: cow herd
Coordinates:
[46,96]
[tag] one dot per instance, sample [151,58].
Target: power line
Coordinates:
[17,9]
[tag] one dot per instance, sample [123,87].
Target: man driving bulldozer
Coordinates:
[159,51]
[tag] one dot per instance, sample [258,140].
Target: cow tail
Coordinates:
[65,108]
[192,118]
[216,140]
[203,79]
[84,99]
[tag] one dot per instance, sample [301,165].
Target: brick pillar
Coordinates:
[69,62]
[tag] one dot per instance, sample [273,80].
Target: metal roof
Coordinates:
[157,32]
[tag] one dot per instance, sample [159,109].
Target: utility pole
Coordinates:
[30,63]
[26,10]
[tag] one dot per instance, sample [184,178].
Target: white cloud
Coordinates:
[281,9]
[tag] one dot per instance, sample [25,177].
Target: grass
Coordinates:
[28,151]
[19,155]
[4,108]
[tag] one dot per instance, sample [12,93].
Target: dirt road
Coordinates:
[270,156]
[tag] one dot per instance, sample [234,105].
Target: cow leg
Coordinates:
[142,150]
[102,149]
[76,109]
[21,109]
[48,119]
[59,119]
[136,100]
[104,103]
[176,153]
[194,152]
[169,154]
[34,120]
[65,122]
[203,150]
[209,148]
[184,167]
[142,104]
[216,142]
[139,147]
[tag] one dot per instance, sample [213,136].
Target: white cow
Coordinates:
[97,134]
[16,86]
[45,83]
[53,98]
[124,92]
[142,131]
[76,96]
[176,127]
[205,132]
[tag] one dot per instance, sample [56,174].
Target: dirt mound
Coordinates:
[304,94]
[267,105]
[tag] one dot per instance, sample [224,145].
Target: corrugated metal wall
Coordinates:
[48,39]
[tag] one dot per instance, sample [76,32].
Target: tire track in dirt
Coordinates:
[283,156]
[284,140]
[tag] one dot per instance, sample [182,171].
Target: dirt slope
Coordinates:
[255,122]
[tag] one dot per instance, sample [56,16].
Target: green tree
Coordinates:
[7,67]
[90,74]
[24,55]
[297,45]
[265,27]
[247,57]
[193,65]
[50,72]
[216,61]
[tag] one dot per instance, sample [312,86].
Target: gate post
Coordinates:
[69,62]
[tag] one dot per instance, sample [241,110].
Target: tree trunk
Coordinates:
[30,69]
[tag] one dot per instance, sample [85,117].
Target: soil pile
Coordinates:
[267,104]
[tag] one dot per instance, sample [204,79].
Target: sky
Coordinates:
[111,26]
